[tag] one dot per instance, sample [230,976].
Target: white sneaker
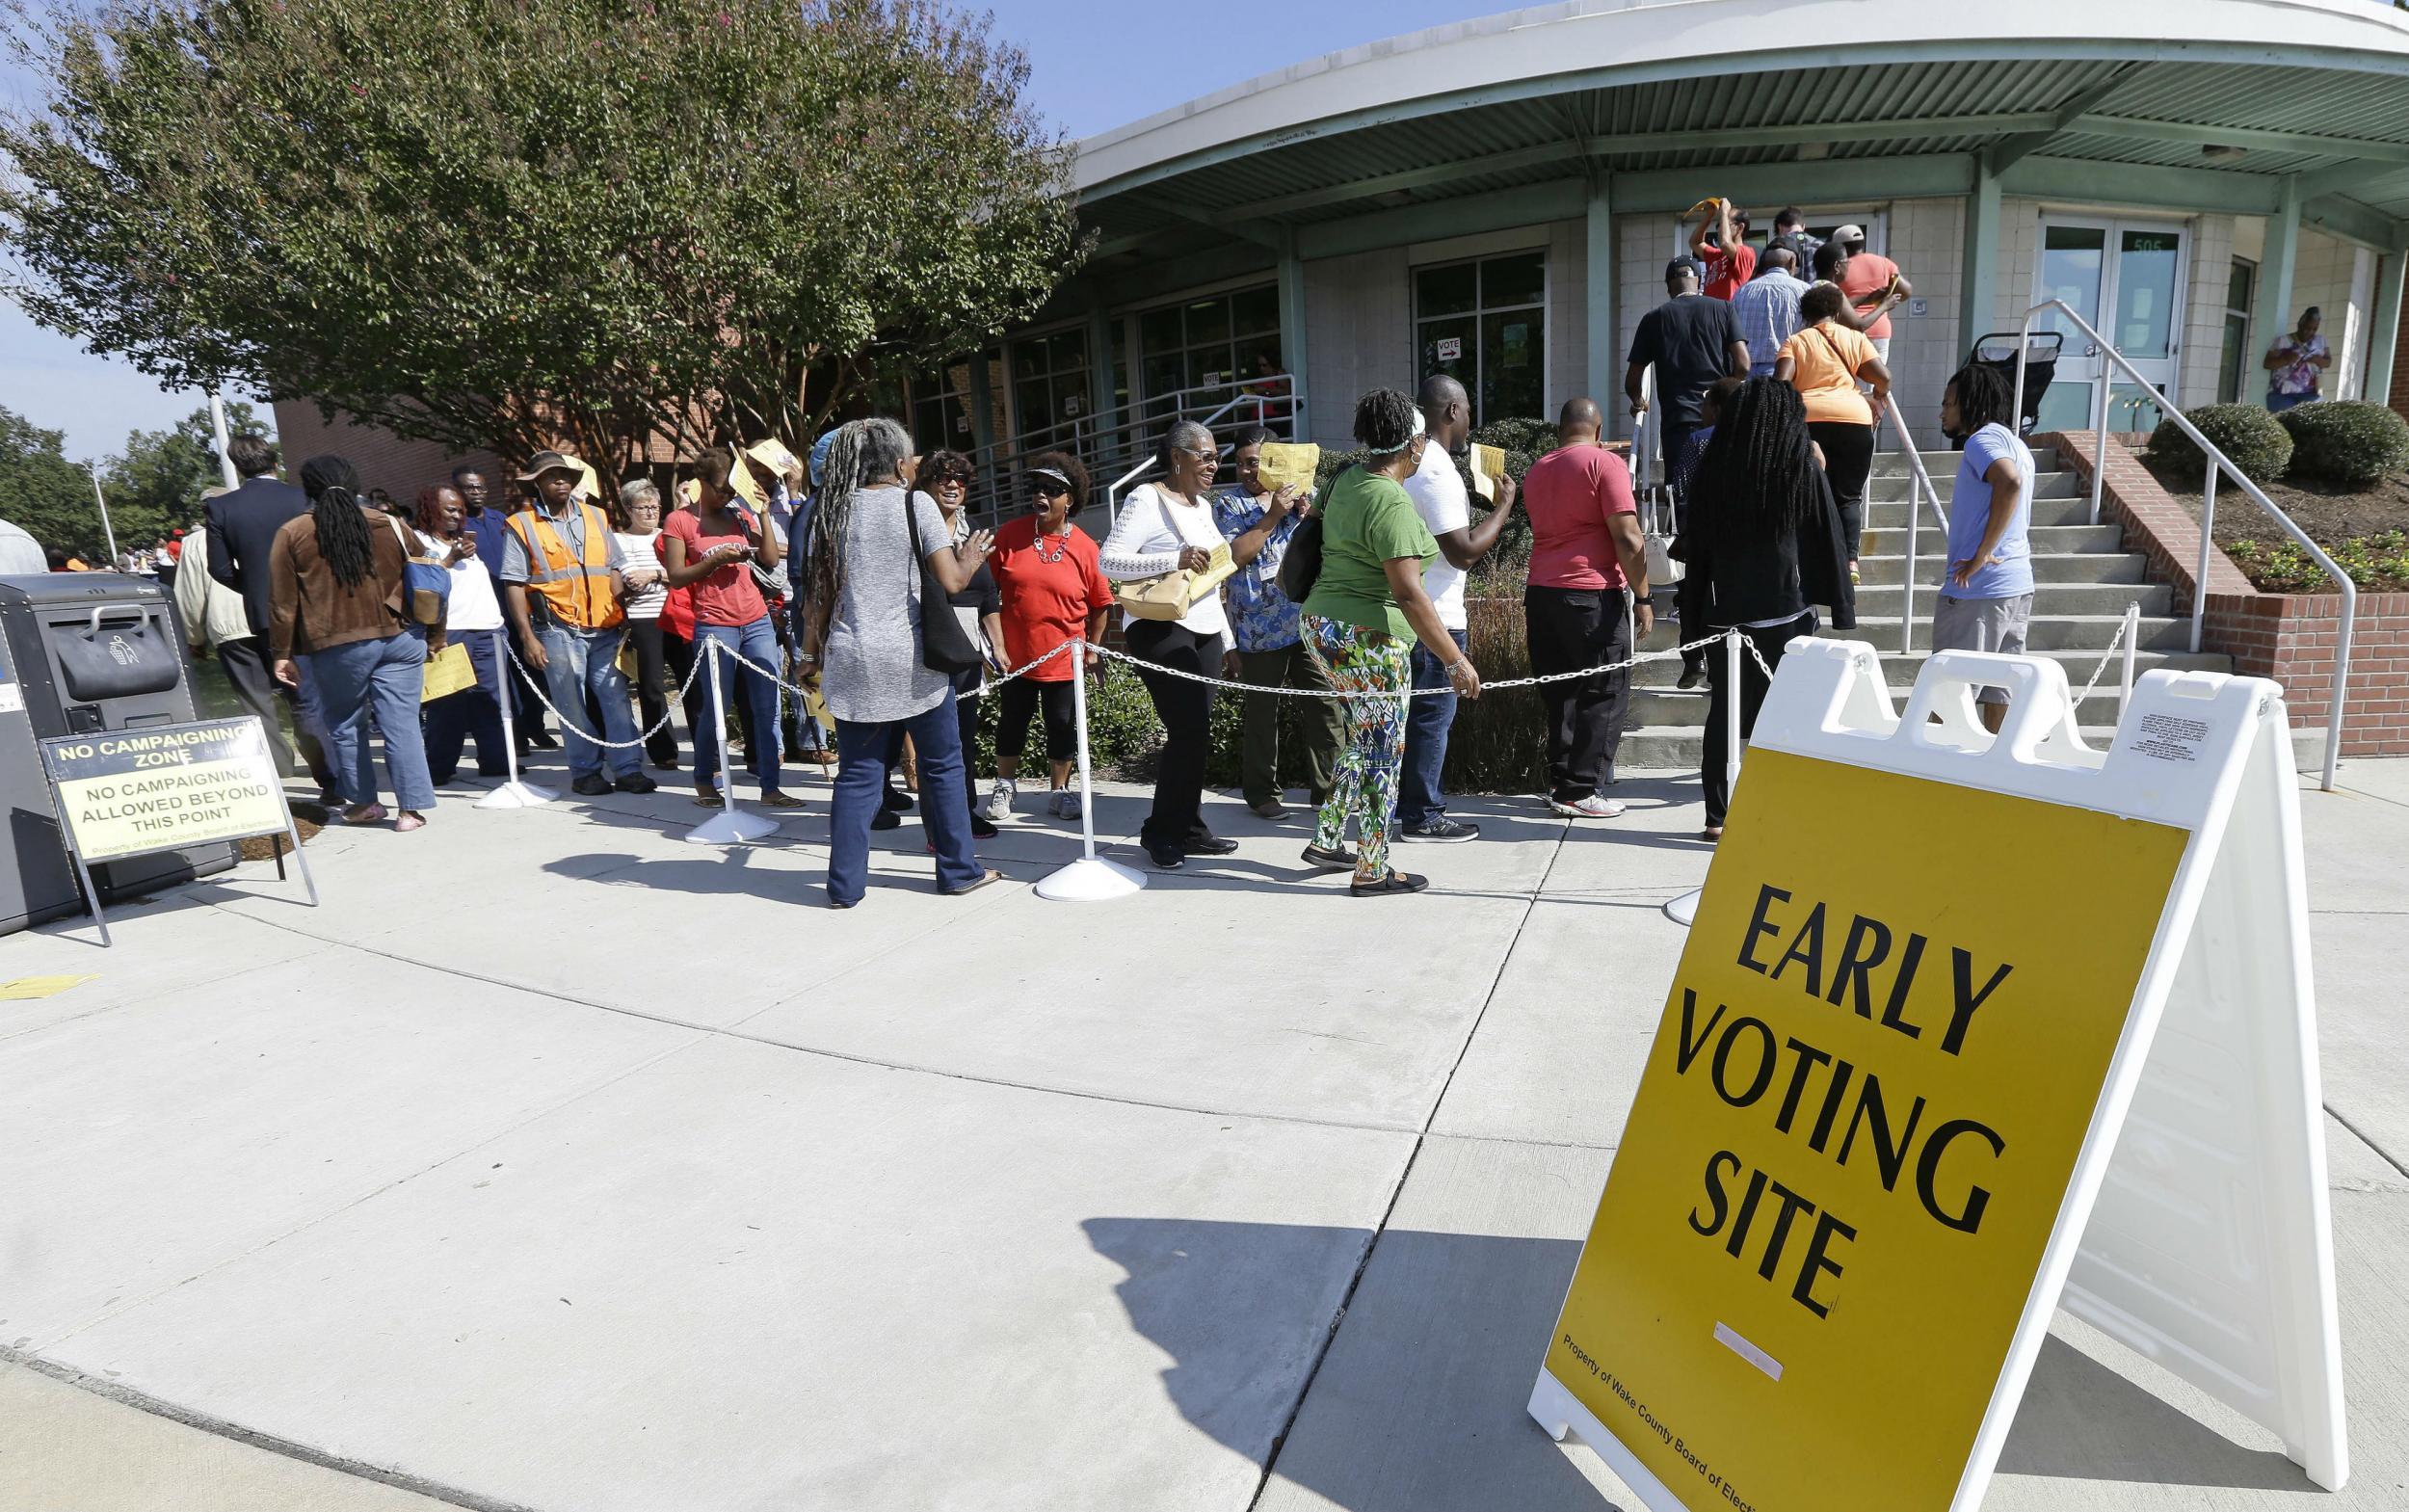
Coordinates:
[1591,806]
[999,799]
[1067,804]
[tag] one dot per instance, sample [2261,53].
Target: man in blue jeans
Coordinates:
[1439,497]
[562,554]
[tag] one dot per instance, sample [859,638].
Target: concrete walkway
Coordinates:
[555,1163]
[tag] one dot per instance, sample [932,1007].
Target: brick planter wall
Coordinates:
[2289,637]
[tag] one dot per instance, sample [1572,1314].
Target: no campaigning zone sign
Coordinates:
[128,792]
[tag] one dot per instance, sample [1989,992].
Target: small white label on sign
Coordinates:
[1450,349]
[2170,737]
[11,698]
[1747,1351]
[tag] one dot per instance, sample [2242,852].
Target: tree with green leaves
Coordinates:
[154,485]
[44,493]
[495,224]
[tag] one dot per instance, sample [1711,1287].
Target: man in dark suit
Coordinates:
[242,527]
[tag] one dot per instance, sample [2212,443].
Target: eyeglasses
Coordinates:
[1207,458]
[1048,488]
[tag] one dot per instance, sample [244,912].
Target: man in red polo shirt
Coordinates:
[1720,241]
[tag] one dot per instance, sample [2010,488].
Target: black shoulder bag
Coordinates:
[1301,567]
[945,647]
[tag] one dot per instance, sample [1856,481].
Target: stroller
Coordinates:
[1998,353]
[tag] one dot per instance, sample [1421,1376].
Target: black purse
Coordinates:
[1300,565]
[945,647]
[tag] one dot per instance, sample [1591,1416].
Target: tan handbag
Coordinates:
[1169,595]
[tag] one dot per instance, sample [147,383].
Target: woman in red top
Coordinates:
[1054,590]
[709,549]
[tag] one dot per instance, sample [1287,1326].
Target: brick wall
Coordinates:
[385,460]
[2289,637]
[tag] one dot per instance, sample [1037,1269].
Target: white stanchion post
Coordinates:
[730,826]
[1090,879]
[1684,908]
[2132,645]
[513,793]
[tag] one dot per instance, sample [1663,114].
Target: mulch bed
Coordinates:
[264,847]
[2331,515]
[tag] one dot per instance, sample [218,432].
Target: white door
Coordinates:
[2126,279]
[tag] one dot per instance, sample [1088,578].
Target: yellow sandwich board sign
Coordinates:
[1889,1082]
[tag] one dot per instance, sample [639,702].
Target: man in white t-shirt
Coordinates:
[1439,497]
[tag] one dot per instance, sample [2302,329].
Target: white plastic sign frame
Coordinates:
[2197,1225]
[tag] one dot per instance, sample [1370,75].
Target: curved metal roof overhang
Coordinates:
[2240,102]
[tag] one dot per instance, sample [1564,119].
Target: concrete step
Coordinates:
[1891,540]
[1944,462]
[2056,567]
[2046,485]
[1899,669]
[2062,510]
[2090,632]
[2051,600]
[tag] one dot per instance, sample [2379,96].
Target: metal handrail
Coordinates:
[1919,489]
[2218,462]
[1112,490]
[1125,421]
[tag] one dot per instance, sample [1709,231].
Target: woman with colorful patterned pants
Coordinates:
[1367,610]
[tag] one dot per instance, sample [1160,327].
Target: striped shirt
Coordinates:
[1767,309]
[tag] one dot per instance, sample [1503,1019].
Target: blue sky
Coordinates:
[1086,77]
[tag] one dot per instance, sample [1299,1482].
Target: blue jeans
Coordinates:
[757,644]
[861,787]
[2277,403]
[578,662]
[471,712]
[1426,723]
[383,679]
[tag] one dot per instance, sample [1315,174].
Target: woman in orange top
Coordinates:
[1824,360]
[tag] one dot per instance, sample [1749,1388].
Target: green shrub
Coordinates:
[2280,566]
[2244,433]
[2346,442]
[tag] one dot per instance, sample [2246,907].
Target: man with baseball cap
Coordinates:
[561,575]
[1873,286]
[1691,340]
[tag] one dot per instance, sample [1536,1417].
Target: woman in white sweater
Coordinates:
[1164,526]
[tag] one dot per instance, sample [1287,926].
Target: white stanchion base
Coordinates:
[1683,908]
[732,827]
[1090,879]
[516,794]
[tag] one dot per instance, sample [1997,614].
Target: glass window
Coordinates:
[940,408]
[1050,388]
[1485,324]
[2147,266]
[2071,260]
[2233,362]
[1199,356]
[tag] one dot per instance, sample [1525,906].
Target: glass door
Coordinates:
[2125,280]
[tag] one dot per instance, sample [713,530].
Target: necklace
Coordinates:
[1062,545]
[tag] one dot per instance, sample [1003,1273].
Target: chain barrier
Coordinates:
[2124,625]
[987,685]
[1624,665]
[536,684]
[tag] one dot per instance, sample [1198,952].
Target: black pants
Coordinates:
[1186,710]
[1752,697]
[246,664]
[1848,461]
[1018,699]
[652,689]
[1570,628]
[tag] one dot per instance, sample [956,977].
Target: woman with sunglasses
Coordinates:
[1054,590]
[1166,526]
[945,477]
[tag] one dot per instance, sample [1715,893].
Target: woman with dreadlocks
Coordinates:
[1765,537]
[1360,623]
[1986,597]
[870,534]
[335,598]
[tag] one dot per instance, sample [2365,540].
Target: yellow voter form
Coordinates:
[1874,1073]
[1282,464]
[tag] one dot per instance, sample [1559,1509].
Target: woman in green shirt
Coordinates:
[1365,612]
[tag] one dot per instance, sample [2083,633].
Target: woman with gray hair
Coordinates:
[639,531]
[863,649]
[1162,527]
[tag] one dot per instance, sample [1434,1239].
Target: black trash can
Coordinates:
[81,652]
